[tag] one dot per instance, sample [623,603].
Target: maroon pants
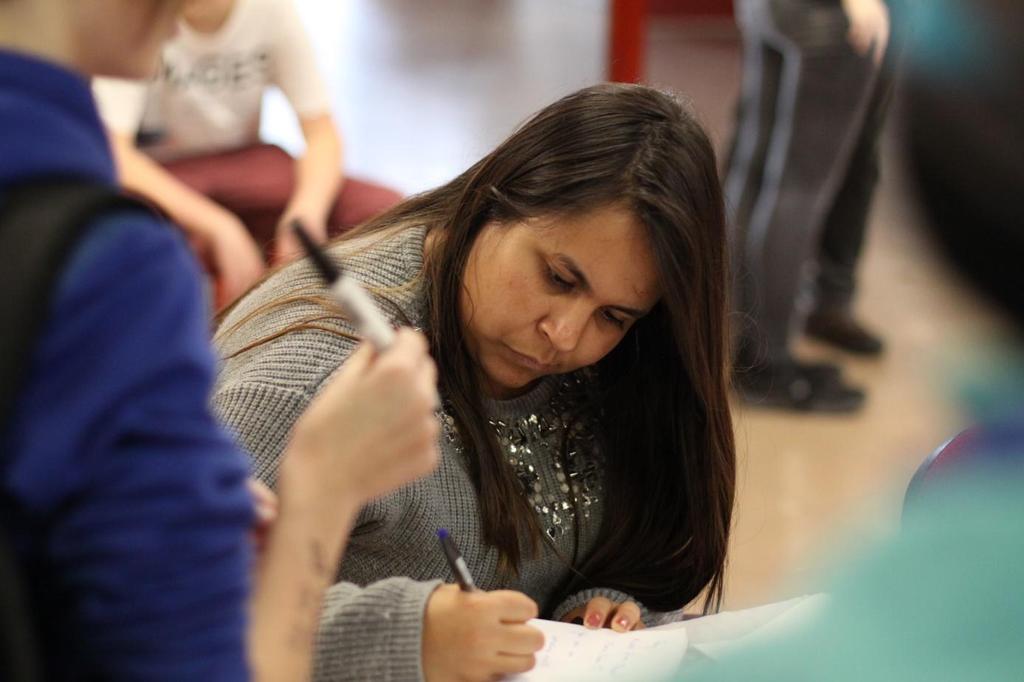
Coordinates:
[255,183]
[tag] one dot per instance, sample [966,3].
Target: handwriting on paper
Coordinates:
[574,653]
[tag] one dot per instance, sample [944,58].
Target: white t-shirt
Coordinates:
[207,93]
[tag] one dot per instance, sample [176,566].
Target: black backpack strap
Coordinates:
[40,223]
[19,657]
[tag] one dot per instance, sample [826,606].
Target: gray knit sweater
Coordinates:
[371,626]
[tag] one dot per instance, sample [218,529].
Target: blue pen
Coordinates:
[455,561]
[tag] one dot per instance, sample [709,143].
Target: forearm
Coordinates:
[317,171]
[140,174]
[301,557]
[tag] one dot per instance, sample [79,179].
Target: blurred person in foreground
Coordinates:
[942,600]
[124,506]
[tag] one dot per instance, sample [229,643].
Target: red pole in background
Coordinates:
[628,40]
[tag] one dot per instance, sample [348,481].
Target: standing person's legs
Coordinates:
[842,240]
[762,67]
[821,98]
[843,237]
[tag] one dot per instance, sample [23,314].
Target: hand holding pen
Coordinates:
[476,635]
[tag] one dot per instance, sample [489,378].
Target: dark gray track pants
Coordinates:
[803,166]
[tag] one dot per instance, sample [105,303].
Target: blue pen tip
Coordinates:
[442,533]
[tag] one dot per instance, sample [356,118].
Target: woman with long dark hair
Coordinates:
[572,284]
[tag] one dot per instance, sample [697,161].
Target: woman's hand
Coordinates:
[604,613]
[369,431]
[478,635]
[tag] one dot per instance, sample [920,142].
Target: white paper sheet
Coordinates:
[572,653]
[718,635]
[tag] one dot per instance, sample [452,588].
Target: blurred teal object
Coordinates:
[942,601]
[988,381]
[948,40]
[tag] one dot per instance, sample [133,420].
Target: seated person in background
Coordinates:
[123,503]
[572,284]
[187,139]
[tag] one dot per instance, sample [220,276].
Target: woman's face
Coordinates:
[548,296]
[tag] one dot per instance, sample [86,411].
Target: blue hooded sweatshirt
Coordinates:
[124,500]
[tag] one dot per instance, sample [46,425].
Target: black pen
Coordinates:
[352,298]
[455,561]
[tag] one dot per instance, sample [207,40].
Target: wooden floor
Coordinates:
[424,87]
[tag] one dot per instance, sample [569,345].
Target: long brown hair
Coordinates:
[662,392]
